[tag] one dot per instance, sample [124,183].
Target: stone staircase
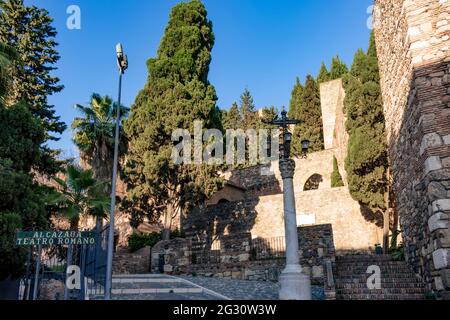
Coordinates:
[156,287]
[126,262]
[398,282]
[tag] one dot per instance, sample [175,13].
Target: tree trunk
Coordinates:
[74,223]
[98,223]
[167,221]
[172,210]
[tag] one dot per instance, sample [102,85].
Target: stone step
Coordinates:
[381,297]
[370,263]
[343,285]
[123,291]
[365,276]
[381,291]
[351,258]
[384,270]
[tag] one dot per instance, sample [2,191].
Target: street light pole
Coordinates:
[122,62]
[294,284]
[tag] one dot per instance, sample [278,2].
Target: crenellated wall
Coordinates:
[413,40]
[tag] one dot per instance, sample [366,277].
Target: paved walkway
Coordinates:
[158,287]
[246,290]
[164,287]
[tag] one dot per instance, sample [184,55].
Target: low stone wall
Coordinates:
[263,218]
[316,247]
[172,256]
[126,262]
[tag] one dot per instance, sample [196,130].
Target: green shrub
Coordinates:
[336,178]
[139,241]
[397,251]
[177,234]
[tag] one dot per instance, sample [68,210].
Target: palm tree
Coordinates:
[79,194]
[94,134]
[7,55]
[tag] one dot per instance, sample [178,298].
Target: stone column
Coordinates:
[294,284]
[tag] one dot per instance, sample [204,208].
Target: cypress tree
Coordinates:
[367,161]
[231,119]
[248,111]
[296,97]
[309,112]
[323,75]
[176,94]
[338,68]
[336,178]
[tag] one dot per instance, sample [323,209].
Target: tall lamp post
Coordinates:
[294,284]
[122,62]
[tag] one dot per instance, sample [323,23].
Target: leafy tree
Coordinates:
[296,98]
[336,178]
[7,55]
[177,93]
[94,135]
[268,113]
[367,161]
[79,194]
[323,75]
[338,68]
[30,32]
[232,119]
[248,111]
[309,112]
[21,205]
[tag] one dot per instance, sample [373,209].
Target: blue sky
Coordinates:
[260,44]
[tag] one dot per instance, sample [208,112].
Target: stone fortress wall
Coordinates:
[413,40]
[325,205]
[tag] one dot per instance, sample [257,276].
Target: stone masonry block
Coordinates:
[443,238]
[445,277]
[446,139]
[441,205]
[441,259]
[433,163]
[430,140]
[438,221]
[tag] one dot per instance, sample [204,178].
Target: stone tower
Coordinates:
[335,135]
[413,40]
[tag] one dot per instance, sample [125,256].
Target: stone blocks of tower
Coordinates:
[413,41]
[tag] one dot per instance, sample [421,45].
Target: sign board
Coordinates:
[306,220]
[35,238]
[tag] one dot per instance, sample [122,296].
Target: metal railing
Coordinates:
[268,248]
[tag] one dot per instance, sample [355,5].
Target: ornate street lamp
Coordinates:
[305,147]
[122,63]
[294,284]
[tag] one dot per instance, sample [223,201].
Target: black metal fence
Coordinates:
[268,248]
[95,265]
[260,249]
[46,267]
[202,253]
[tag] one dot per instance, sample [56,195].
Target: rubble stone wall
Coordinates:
[413,40]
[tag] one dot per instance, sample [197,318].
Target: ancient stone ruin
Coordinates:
[413,40]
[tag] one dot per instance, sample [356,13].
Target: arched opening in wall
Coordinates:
[313,182]
[222,201]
